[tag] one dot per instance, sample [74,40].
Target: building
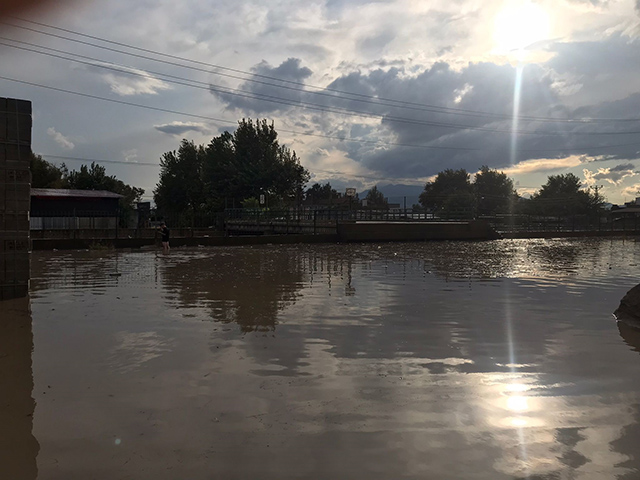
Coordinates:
[15,184]
[64,209]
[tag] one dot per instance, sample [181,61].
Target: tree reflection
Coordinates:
[18,446]
[248,286]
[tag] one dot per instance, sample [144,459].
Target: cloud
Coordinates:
[130,155]
[436,108]
[253,97]
[138,82]
[632,191]
[614,175]
[543,165]
[60,139]
[180,128]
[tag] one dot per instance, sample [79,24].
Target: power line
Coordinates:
[226,122]
[294,132]
[268,98]
[149,164]
[321,90]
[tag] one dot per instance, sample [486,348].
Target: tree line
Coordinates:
[93,177]
[249,168]
[452,193]
[233,170]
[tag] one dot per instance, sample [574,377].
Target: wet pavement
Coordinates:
[444,360]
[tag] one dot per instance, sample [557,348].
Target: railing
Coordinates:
[310,214]
[571,223]
[314,220]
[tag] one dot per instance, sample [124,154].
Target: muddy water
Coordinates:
[487,360]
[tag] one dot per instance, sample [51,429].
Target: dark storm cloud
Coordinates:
[617,55]
[180,128]
[477,139]
[289,70]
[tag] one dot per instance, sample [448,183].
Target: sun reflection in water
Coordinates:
[517,403]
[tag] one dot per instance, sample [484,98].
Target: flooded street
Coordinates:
[445,360]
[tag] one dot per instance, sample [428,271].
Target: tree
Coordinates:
[450,193]
[180,189]
[45,174]
[250,163]
[321,194]
[95,177]
[230,169]
[562,195]
[494,192]
[375,199]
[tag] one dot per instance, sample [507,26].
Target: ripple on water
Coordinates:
[498,359]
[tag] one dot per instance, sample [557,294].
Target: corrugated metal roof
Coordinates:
[64,192]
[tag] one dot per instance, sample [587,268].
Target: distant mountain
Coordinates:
[396,193]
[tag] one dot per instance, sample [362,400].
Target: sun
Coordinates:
[520,24]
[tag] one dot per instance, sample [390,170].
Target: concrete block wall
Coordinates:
[15,197]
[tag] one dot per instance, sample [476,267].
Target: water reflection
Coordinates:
[630,335]
[492,360]
[18,447]
[248,287]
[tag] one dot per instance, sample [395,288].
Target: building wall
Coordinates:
[73,207]
[15,186]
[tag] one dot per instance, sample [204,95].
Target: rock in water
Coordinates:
[629,309]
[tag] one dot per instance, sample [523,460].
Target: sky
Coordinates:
[387,91]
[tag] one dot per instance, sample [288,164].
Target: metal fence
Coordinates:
[323,220]
[311,214]
[571,223]
[73,223]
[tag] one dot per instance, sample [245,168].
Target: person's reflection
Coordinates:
[627,444]
[630,334]
[18,446]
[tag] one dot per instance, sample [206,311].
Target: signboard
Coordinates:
[351,192]
[261,199]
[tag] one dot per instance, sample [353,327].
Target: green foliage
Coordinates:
[180,190]
[231,168]
[450,194]
[375,200]
[45,174]
[562,195]
[494,192]
[93,177]
[251,203]
[321,194]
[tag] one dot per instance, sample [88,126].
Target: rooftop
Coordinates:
[65,192]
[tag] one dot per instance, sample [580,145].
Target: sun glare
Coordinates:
[520,24]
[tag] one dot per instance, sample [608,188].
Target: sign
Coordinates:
[351,192]
[261,199]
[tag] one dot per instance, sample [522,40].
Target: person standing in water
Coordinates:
[164,230]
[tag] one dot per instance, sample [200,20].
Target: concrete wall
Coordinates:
[15,197]
[414,231]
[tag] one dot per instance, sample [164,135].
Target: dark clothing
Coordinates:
[165,234]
